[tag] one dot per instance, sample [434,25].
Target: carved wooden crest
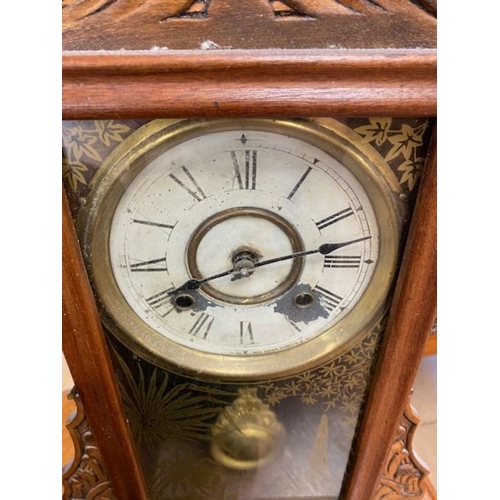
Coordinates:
[247,24]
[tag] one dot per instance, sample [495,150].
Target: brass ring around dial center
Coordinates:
[284,225]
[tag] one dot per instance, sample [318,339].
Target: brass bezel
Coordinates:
[156,137]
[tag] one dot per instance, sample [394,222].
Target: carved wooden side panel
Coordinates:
[404,475]
[85,478]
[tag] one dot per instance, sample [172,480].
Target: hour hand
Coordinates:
[330,247]
[194,284]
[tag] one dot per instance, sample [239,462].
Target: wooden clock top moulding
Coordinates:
[212,58]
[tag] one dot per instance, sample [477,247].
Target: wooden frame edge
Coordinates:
[411,317]
[132,84]
[87,356]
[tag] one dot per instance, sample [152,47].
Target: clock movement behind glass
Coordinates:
[248,246]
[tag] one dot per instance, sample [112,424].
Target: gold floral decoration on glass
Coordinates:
[158,410]
[85,145]
[399,143]
[74,173]
[339,385]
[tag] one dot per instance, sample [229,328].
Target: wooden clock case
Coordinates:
[261,58]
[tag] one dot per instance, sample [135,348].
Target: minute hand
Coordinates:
[324,249]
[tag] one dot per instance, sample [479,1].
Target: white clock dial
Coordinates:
[205,204]
[228,243]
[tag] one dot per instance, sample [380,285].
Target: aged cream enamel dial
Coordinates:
[241,249]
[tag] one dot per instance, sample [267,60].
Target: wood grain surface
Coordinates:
[201,58]
[88,359]
[249,83]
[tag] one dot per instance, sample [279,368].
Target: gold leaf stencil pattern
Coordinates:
[401,145]
[158,409]
[339,385]
[86,143]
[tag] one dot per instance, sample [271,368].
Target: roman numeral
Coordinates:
[159,299]
[332,219]
[293,325]
[192,187]
[169,310]
[149,266]
[202,325]
[169,227]
[301,180]
[329,299]
[246,175]
[246,333]
[343,261]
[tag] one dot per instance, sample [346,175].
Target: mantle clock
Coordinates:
[249,246]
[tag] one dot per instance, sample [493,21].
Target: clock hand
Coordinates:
[194,284]
[325,249]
